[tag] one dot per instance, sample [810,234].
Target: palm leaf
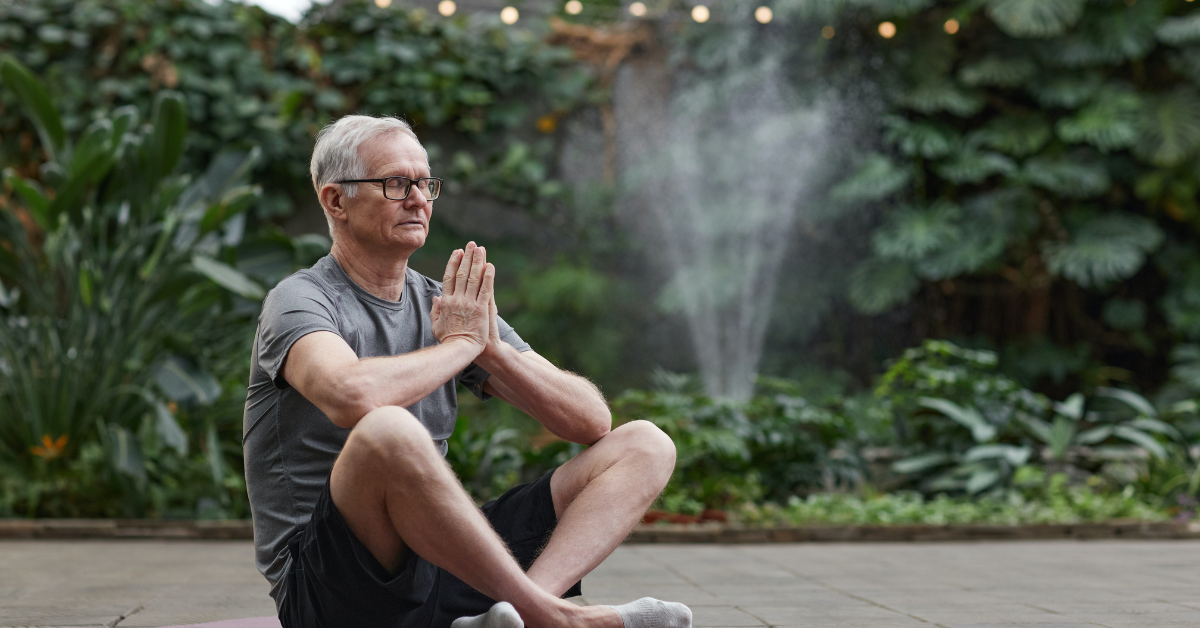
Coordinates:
[1104,249]
[927,139]
[877,286]
[1035,18]
[932,97]
[1069,91]
[980,247]
[974,166]
[913,233]
[1109,123]
[1108,36]
[1016,135]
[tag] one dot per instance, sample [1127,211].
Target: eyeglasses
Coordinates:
[397,188]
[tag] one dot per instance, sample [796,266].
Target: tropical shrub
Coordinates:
[118,283]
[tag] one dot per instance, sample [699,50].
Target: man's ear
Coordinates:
[333,201]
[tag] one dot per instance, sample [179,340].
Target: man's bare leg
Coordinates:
[599,496]
[396,492]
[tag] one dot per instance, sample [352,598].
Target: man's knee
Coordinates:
[391,436]
[651,445]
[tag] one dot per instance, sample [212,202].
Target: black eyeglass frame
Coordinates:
[407,190]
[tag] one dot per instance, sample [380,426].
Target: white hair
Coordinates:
[335,156]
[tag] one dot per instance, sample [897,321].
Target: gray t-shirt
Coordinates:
[290,445]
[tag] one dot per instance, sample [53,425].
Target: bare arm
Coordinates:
[568,405]
[323,368]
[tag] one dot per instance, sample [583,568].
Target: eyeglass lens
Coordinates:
[397,188]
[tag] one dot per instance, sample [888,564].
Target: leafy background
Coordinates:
[1013,321]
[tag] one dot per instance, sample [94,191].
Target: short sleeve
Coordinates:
[294,309]
[473,377]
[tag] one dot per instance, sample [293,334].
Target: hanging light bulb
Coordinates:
[637,9]
[574,7]
[827,32]
[447,7]
[383,4]
[951,26]
[763,15]
[887,30]
[700,13]
[509,15]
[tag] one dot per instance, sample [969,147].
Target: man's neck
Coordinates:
[381,276]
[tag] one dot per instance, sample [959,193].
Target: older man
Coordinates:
[358,520]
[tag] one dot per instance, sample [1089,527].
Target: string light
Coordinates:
[827,32]
[509,15]
[700,13]
[637,9]
[574,7]
[383,4]
[887,30]
[951,26]
[447,7]
[763,15]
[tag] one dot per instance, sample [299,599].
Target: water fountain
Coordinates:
[721,191]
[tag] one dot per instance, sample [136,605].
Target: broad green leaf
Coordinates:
[916,464]
[37,105]
[912,233]
[1141,439]
[1014,455]
[1179,31]
[123,119]
[974,167]
[1068,90]
[33,195]
[978,247]
[1155,425]
[182,381]
[1094,435]
[877,286]
[235,201]
[1106,248]
[1109,123]
[212,452]
[1072,178]
[1129,398]
[877,179]
[169,432]
[938,96]
[926,139]
[1170,128]
[998,71]
[1062,435]
[981,480]
[170,128]
[93,154]
[1072,408]
[1016,135]
[981,430]
[125,453]
[1035,18]
[228,277]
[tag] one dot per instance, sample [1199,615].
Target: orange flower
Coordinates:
[547,123]
[50,449]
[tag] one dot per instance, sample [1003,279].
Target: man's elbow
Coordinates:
[599,426]
[351,401]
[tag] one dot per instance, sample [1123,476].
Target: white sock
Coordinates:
[500,615]
[651,613]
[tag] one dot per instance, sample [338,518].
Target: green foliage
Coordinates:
[108,307]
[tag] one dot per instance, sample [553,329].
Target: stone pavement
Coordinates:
[1045,584]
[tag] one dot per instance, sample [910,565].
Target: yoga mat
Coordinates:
[253,622]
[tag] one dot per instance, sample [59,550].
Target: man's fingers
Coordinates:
[435,311]
[487,288]
[462,275]
[478,263]
[451,270]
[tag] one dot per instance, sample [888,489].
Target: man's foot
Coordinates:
[651,613]
[500,615]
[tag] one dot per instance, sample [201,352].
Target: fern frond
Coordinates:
[997,71]
[876,179]
[1035,18]
[1014,135]
[1170,129]
[912,233]
[1109,123]
[1069,91]
[1067,177]
[1104,249]
[943,95]
[877,286]
[973,167]
[927,139]
[1178,31]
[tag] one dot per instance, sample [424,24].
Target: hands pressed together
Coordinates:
[466,311]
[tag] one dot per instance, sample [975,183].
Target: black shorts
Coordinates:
[334,580]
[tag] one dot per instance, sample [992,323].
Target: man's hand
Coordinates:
[465,310]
